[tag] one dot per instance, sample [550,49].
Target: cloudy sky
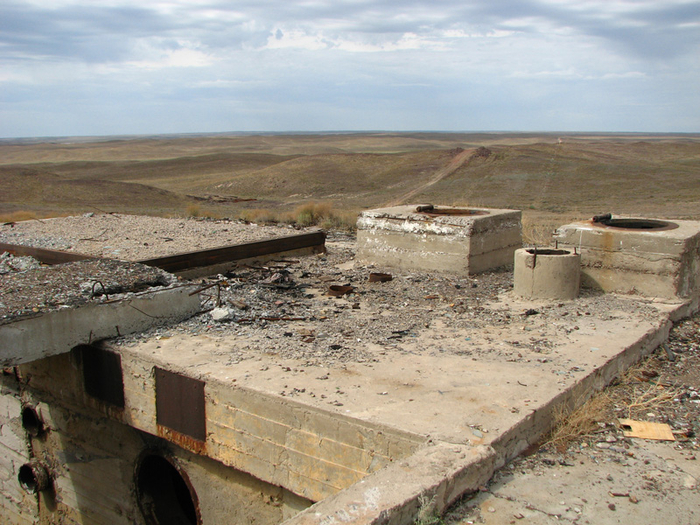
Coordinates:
[79,67]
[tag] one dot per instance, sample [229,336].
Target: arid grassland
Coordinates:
[550,177]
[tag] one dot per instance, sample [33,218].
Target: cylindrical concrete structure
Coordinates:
[547,274]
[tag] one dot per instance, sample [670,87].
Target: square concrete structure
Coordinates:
[653,258]
[463,241]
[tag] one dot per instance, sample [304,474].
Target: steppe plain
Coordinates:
[553,178]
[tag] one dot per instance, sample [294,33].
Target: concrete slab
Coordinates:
[49,310]
[497,387]
[437,382]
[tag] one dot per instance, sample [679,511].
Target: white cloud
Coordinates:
[158,53]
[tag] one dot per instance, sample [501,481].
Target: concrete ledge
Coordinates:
[57,332]
[432,479]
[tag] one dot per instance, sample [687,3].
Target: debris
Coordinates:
[646,430]
[336,290]
[221,314]
[380,277]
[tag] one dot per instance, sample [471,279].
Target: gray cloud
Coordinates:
[350,60]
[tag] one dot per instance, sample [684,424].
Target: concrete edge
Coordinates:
[59,331]
[426,482]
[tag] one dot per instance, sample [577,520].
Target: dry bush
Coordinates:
[323,215]
[311,213]
[260,215]
[194,210]
[571,425]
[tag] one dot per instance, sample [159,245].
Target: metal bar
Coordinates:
[44,255]
[213,256]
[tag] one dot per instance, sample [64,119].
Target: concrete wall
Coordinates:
[16,506]
[653,263]
[469,244]
[264,456]
[93,459]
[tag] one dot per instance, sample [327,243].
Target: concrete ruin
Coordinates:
[204,427]
[546,273]
[463,241]
[650,257]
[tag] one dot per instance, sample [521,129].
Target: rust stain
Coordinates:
[182,440]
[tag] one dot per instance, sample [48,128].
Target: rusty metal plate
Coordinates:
[102,374]
[224,254]
[180,404]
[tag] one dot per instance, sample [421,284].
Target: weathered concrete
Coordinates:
[16,506]
[655,263]
[427,482]
[546,274]
[414,425]
[401,237]
[93,458]
[28,339]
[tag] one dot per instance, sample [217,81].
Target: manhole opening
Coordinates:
[164,495]
[548,251]
[31,422]
[638,224]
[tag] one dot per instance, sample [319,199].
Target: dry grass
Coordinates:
[637,392]
[309,214]
[16,216]
[640,175]
[572,425]
[194,210]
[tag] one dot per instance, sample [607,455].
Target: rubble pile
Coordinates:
[43,288]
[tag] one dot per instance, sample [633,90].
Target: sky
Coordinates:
[114,67]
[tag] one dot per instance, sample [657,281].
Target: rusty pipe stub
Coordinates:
[34,476]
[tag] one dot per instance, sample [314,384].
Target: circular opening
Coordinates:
[548,251]
[164,495]
[638,224]
[33,477]
[438,212]
[31,422]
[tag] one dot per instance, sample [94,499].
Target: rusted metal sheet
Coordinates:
[180,404]
[44,255]
[186,442]
[214,256]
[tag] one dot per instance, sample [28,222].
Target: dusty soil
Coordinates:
[580,175]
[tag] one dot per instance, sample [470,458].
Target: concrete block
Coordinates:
[661,261]
[547,274]
[57,332]
[445,239]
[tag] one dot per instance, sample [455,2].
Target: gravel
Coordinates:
[283,307]
[134,237]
